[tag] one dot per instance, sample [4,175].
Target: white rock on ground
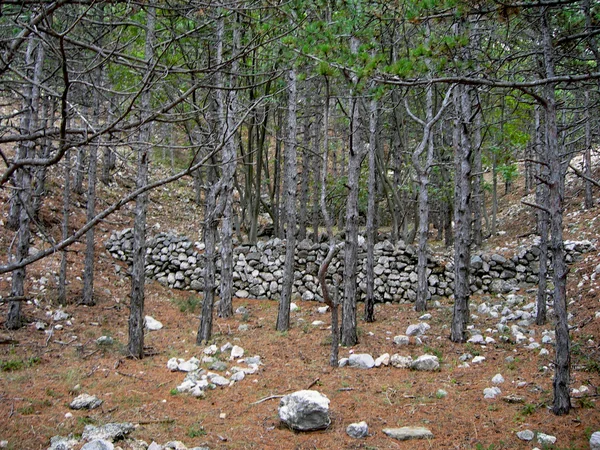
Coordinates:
[85,401]
[361,360]
[357,430]
[383,360]
[595,440]
[305,410]
[525,435]
[152,324]
[406,433]
[426,362]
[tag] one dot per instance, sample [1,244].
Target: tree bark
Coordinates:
[135,347]
[283,316]
[358,151]
[462,216]
[562,363]
[369,313]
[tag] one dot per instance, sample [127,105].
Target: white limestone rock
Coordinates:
[305,410]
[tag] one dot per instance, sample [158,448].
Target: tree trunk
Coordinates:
[229,167]
[283,316]
[369,314]
[357,153]
[541,194]
[303,207]
[88,271]
[22,199]
[62,277]
[587,155]
[135,347]
[462,216]
[562,363]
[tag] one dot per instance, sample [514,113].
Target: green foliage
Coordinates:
[196,430]
[12,365]
[433,351]
[189,305]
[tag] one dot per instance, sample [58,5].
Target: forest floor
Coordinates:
[40,375]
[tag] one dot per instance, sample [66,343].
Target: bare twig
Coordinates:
[264,399]
[579,173]
[315,381]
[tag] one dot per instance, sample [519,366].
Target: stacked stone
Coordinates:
[496,273]
[258,270]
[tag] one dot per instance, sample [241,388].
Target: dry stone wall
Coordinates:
[176,262]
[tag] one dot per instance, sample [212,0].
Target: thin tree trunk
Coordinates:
[587,155]
[283,316]
[541,193]
[88,271]
[303,207]
[62,277]
[135,347]
[369,313]
[462,216]
[229,167]
[23,200]
[562,363]
[357,153]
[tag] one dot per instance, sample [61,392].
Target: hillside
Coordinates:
[43,372]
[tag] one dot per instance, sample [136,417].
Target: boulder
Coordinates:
[305,410]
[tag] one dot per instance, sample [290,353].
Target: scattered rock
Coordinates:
[426,362]
[383,360]
[357,430]
[152,324]
[491,392]
[401,362]
[498,379]
[361,360]
[105,340]
[109,432]
[546,439]
[62,443]
[406,433]
[525,435]
[85,401]
[98,444]
[305,410]
[595,438]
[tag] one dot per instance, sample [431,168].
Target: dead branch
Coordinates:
[579,173]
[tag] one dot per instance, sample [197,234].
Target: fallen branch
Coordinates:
[130,375]
[315,381]
[270,397]
[19,298]
[150,422]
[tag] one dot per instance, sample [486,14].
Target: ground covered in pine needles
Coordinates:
[41,374]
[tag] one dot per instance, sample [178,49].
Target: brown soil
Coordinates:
[34,397]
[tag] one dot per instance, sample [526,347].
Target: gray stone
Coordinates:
[491,392]
[595,438]
[105,340]
[219,366]
[357,430]
[525,435]
[109,432]
[401,340]
[305,410]
[406,433]
[546,439]
[62,443]
[401,362]
[85,401]
[98,444]
[418,329]
[426,362]
[361,360]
